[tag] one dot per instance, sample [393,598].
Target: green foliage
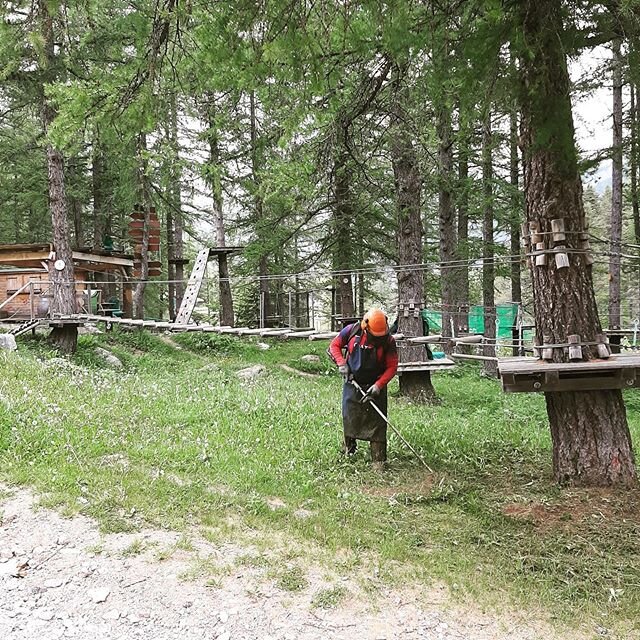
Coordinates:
[210,343]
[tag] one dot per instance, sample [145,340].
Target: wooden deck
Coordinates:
[529,375]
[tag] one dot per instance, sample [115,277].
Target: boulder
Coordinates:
[109,358]
[8,342]
[251,373]
[88,330]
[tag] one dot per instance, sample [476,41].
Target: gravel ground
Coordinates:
[62,578]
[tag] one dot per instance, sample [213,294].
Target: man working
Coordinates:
[371,359]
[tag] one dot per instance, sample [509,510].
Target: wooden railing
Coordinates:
[22,289]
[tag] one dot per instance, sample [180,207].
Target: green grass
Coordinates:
[330,597]
[173,441]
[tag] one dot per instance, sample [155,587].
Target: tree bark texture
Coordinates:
[343,226]
[176,232]
[490,367]
[408,189]
[462,249]
[140,287]
[516,208]
[63,292]
[98,178]
[171,266]
[616,192]
[263,262]
[446,216]
[591,440]
[633,186]
[214,173]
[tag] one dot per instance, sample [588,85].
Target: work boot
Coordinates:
[378,455]
[349,446]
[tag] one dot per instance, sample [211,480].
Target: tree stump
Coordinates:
[416,385]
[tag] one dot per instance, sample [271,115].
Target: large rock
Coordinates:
[109,358]
[88,329]
[8,342]
[251,373]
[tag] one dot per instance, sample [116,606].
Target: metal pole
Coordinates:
[375,406]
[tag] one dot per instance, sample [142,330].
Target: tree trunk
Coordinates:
[76,208]
[174,204]
[462,249]
[635,203]
[171,266]
[408,187]
[178,253]
[490,367]
[61,271]
[516,212]
[616,192]
[98,178]
[263,261]
[591,440]
[343,227]
[138,293]
[214,173]
[140,288]
[515,222]
[446,217]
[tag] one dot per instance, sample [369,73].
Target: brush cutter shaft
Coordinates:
[375,406]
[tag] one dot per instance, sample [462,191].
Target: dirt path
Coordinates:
[61,578]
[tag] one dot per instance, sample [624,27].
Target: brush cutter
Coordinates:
[366,397]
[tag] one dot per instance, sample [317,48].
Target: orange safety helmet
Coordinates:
[375,322]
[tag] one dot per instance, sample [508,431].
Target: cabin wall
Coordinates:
[21,306]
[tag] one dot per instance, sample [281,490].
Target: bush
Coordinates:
[209,343]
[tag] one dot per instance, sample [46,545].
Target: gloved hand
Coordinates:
[344,370]
[372,392]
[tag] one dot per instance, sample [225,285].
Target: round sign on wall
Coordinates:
[59,265]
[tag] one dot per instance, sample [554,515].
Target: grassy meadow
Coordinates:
[175,439]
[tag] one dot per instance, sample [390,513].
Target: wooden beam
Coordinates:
[22,257]
[106,260]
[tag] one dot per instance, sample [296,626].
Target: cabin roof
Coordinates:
[33,255]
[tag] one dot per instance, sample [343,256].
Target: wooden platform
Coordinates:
[437,364]
[532,375]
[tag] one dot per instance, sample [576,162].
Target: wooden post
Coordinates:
[575,350]
[541,259]
[290,310]
[31,309]
[127,300]
[562,259]
[536,236]
[603,348]
[557,227]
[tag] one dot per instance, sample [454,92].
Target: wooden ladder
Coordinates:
[193,288]
[24,327]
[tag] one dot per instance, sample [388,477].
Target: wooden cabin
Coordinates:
[24,280]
